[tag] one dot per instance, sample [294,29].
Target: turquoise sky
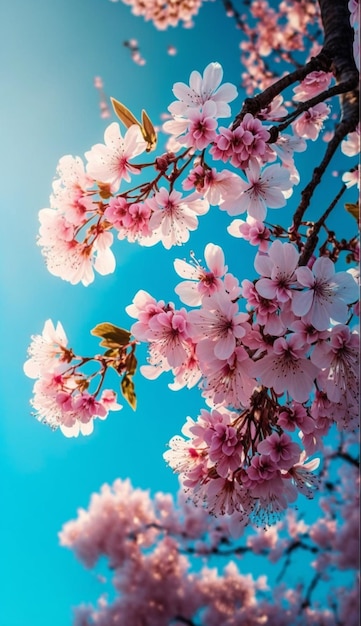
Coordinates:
[50,53]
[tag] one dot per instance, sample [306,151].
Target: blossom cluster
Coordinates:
[88,205]
[62,397]
[165,14]
[288,361]
[148,541]
[269,356]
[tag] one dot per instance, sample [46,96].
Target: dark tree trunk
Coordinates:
[338,47]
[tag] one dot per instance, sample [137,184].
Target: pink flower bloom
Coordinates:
[262,468]
[278,267]
[268,188]
[274,111]
[302,475]
[183,457]
[188,373]
[109,162]
[281,450]
[313,84]
[201,283]
[70,191]
[310,122]
[86,407]
[267,311]
[143,308]
[220,321]
[224,497]
[285,147]
[131,220]
[224,189]
[168,330]
[69,259]
[352,177]
[225,448]
[239,146]
[251,230]
[296,415]
[109,400]
[203,89]
[173,216]
[47,351]
[327,294]
[351,145]
[308,332]
[54,227]
[226,381]
[201,128]
[285,369]
[339,379]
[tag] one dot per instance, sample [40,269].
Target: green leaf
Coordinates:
[127,388]
[112,336]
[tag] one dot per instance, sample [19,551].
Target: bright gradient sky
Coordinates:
[50,53]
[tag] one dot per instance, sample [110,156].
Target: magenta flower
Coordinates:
[281,450]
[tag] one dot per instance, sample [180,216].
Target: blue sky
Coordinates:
[51,52]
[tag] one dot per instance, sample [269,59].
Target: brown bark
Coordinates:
[337,47]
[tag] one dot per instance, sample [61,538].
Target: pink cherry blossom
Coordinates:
[303,477]
[339,378]
[352,177]
[267,311]
[201,283]
[203,89]
[131,220]
[296,415]
[174,216]
[264,189]
[201,128]
[47,351]
[218,320]
[281,449]
[110,162]
[326,296]
[310,122]
[223,188]
[71,190]
[313,84]
[278,267]
[168,337]
[286,369]
[251,230]
[351,145]
[226,381]
[239,146]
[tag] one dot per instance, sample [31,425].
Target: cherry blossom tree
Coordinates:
[275,358]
